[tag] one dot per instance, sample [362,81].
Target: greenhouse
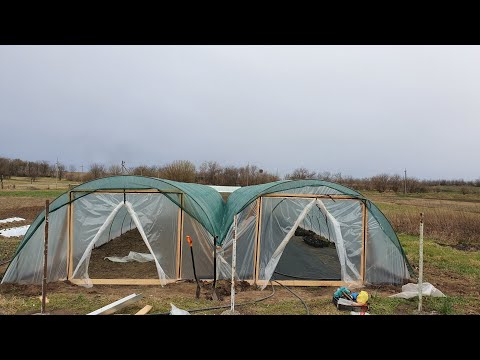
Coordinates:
[309,233]
[132,229]
[88,217]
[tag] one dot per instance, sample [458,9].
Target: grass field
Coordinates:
[451,251]
[16,183]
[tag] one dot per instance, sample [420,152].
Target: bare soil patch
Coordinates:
[101,268]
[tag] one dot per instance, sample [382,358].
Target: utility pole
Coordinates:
[124,169]
[405,183]
[82,168]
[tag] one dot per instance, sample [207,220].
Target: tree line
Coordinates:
[31,169]
[213,173]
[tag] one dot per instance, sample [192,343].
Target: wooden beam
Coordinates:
[309,283]
[70,237]
[122,281]
[257,244]
[309,196]
[117,305]
[250,281]
[179,241]
[254,270]
[363,269]
[144,310]
[132,191]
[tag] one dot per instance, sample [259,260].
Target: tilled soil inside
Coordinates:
[101,268]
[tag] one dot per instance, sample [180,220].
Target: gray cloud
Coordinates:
[360,110]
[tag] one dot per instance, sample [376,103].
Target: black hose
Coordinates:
[225,306]
[298,297]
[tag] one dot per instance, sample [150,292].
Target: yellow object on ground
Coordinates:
[362,298]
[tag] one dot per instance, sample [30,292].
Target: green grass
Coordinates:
[461,263]
[449,305]
[380,305]
[473,195]
[52,194]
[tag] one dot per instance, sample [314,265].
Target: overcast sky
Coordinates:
[359,110]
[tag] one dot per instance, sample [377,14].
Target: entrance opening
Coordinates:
[101,267]
[308,256]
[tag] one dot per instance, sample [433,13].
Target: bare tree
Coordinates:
[229,176]
[395,182]
[324,175]
[209,172]
[179,170]
[32,171]
[143,170]
[44,168]
[61,171]
[115,169]
[96,171]
[301,173]
[380,182]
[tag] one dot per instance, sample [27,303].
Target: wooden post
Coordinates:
[420,266]
[364,242]
[257,213]
[45,256]
[70,238]
[257,245]
[179,238]
[234,264]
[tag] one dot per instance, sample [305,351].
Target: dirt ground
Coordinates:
[29,209]
[182,294]
[101,268]
[67,298]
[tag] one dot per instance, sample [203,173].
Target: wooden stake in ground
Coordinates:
[420,266]
[45,256]
[234,265]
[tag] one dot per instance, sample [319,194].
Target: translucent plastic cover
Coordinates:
[246,234]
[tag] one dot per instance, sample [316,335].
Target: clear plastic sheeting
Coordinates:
[346,218]
[177,311]
[159,216]
[282,216]
[312,190]
[384,261]
[132,256]
[410,290]
[202,250]
[27,266]
[82,267]
[246,237]
[272,263]
[154,215]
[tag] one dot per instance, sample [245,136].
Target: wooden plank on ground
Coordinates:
[117,305]
[144,310]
